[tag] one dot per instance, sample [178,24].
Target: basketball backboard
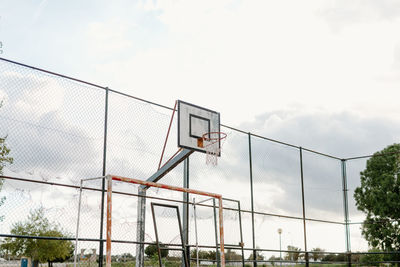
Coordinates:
[193,123]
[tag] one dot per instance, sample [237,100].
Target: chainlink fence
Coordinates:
[283,204]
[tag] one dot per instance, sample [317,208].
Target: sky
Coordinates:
[319,74]
[241,58]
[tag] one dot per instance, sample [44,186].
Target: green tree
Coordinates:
[259,256]
[151,250]
[39,250]
[293,253]
[203,254]
[334,257]
[372,259]
[233,256]
[273,260]
[317,254]
[378,197]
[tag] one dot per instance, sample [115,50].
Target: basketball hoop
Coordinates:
[212,142]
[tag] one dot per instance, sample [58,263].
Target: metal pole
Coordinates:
[241,233]
[101,245]
[280,249]
[221,231]
[109,216]
[195,232]
[304,207]
[252,204]
[280,245]
[216,235]
[346,211]
[140,226]
[77,225]
[185,217]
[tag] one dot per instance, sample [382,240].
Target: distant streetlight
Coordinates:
[280,245]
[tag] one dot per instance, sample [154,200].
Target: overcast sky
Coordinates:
[241,58]
[320,74]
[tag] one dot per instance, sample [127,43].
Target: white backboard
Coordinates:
[193,123]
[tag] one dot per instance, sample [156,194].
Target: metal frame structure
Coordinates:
[159,248]
[147,184]
[79,214]
[239,245]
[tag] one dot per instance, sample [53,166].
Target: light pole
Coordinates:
[280,245]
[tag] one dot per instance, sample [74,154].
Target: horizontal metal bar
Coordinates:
[164,186]
[374,155]
[91,179]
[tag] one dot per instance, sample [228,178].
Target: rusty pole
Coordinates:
[221,231]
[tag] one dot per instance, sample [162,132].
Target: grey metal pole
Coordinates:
[280,249]
[346,210]
[241,233]
[304,208]
[195,232]
[77,224]
[140,226]
[185,217]
[216,234]
[252,204]
[103,185]
[280,245]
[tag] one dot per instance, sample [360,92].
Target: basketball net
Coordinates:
[212,143]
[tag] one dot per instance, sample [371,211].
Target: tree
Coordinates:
[39,250]
[203,254]
[258,257]
[372,259]
[293,254]
[334,257]
[4,160]
[378,197]
[317,254]
[273,259]
[151,250]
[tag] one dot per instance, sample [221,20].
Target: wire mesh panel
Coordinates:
[54,126]
[357,217]
[136,135]
[268,236]
[230,177]
[323,188]
[276,178]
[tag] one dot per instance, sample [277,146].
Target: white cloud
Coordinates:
[260,56]
[108,38]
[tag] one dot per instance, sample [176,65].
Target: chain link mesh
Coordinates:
[55,129]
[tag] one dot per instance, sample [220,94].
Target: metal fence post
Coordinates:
[346,210]
[252,204]
[304,208]
[140,226]
[216,235]
[185,217]
[101,245]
